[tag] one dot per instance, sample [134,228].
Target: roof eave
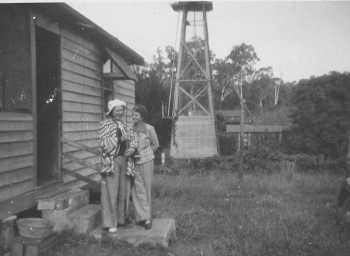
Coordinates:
[60,12]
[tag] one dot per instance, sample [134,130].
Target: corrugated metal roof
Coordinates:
[64,13]
[256,128]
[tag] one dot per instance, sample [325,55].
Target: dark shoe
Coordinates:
[148,224]
[129,221]
[141,223]
[120,225]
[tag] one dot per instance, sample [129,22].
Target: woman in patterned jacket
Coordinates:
[115,183]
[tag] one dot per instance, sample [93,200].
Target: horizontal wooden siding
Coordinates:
[81,101]
[16,154]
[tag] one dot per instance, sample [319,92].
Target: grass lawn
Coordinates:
[277,214]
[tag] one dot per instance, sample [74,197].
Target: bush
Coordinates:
[305,162]
[261,159]
[320,115]
[227,143]
[312,163]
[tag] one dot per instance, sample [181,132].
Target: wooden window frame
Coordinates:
[107,87]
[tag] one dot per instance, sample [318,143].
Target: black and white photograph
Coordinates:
[174,128]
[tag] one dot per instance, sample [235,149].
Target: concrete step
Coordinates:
[86,218]
[163,231]
[57,209]
[71,199]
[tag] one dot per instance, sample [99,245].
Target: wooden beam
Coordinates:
[33,81]
[178,71]
[196,61]
[193,100]
[121,64]
[200,92]
[185,68]
[46,23]
[207,63]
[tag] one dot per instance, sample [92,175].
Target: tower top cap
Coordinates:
[192,6]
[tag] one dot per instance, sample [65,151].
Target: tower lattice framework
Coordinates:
[194,128]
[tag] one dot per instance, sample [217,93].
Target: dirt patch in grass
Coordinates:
[216,214]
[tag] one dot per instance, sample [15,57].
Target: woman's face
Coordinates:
[136,117]
[117,113]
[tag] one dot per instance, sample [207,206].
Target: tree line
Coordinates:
[317,109]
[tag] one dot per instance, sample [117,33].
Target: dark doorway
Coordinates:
[48,105]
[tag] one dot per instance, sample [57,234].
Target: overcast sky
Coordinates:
[298,39]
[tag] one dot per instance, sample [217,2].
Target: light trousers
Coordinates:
[141,190]
[115,191]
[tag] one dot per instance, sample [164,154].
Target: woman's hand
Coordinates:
[129,152]
[145,143]
[123,138]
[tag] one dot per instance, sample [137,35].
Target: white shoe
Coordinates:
[112,230]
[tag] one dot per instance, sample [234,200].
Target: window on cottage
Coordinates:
[107,94]
[14,96]
[107,67]
[15,72]
[107,85]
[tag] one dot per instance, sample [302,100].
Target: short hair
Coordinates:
[142,110]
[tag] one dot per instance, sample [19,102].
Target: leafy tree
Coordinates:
[260,91]
[242,58]
[229,71]
[153,87]
[320,114]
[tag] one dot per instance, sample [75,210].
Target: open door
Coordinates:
[48,105]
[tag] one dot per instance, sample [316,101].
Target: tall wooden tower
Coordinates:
[193,134]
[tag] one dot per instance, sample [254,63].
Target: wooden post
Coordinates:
[7,232]
[32,32]
[348,156]
[178,71]
[207,62]
[241,130]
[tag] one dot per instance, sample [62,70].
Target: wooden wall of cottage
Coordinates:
[16,129]
[82,104]
[82,107]
[82,101]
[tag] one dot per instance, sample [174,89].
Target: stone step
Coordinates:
[86,218]
[163,231]
[63,205]
[71,199]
